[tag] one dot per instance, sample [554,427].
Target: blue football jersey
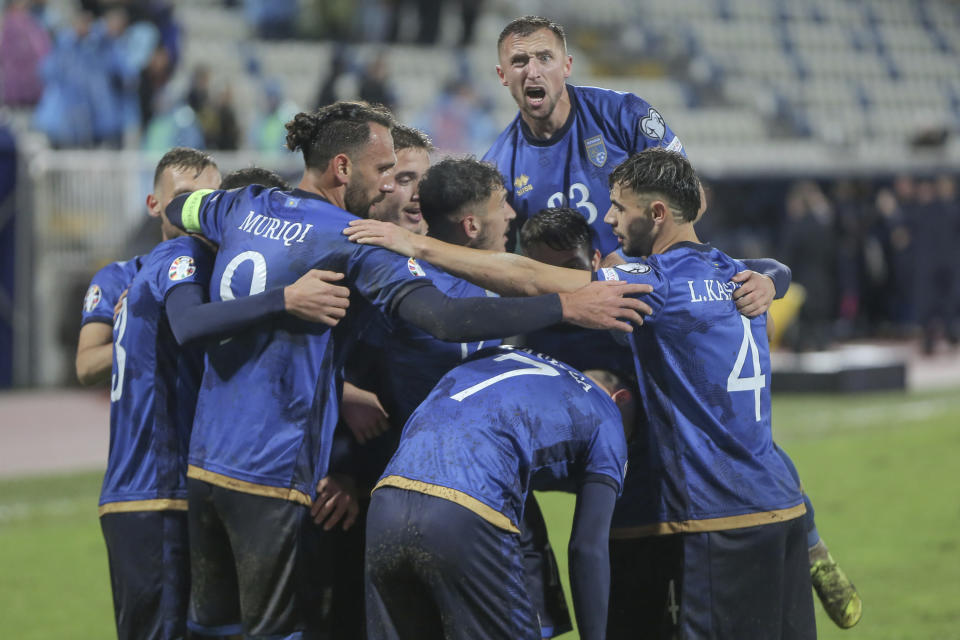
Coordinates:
[105,289]
[572,167]
[154,389]
[583,348]
[413,361]
[706,460]
[268,404]
[504,419]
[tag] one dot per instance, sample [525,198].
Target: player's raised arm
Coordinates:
[505,273]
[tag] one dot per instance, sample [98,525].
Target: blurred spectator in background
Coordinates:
[333,87]
[153,79]
[374,85]
[173,125]
[809,248]
[460,121]
[216,116]
[428,20]
[91,80]
[272,19]
[849,216]
[23,44]
[268,134]
[934,229]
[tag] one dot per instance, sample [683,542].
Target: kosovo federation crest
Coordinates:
[596,150]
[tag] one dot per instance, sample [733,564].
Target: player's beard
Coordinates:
[638,240]
[357,200]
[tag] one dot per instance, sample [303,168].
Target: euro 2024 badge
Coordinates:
[415,268]
[596,150]
[182,267]
[92,299]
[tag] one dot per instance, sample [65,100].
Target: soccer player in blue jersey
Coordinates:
[153,395]
[713,485]
[566,139]
[402,206]
[268,404]
[443,550]
[561,237]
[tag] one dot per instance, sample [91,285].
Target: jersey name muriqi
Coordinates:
[571,168]
[704,376]
[268,405]
[154,382]
[503,420]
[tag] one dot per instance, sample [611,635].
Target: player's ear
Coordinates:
[596,260]
[622,397]
[470,226]
[567,66]
[153,205]
[342,168]
[660,210]
[501,75]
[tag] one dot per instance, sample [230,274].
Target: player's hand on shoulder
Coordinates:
[382,234]
[363,413]
[315,299]
[336,502]
[606,305]
[755,293]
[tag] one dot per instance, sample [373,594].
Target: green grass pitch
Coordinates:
[882,471]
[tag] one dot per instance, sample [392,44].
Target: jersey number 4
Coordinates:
[755,382]
[535,368]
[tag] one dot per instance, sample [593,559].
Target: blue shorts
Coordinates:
[254,564]
[435,569]
[752,582]
[149,572]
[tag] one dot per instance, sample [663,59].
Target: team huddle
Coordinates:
[331,404]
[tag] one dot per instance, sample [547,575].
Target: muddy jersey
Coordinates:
[503,421]
[706,460]
[268,404]
[154,385]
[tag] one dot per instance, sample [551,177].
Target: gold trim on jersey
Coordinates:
[488,513]
[155,504]
[711,524]
[220,480]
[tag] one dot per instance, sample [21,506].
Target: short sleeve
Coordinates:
[105,289]
[647,127]
[607,456]
[378,275]
[639,273]
[187,262]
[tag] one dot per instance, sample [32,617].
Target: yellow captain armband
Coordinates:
[190,213]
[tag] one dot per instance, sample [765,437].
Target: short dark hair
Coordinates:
[450,185]
[342,127]
[183,158]
[253,175]
[560,228]
[525,25]
[663,172]
[405,137]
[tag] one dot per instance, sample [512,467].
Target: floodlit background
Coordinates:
[826,130]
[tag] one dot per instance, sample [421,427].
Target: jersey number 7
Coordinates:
[535,369]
